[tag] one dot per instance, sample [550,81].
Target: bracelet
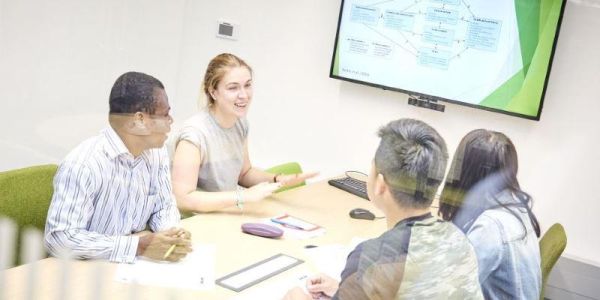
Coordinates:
[239,200]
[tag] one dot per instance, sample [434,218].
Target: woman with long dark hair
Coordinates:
[482,196]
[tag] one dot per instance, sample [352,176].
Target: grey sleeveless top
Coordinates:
[221,149]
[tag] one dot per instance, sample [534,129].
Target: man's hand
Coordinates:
[321,285]
[156,245]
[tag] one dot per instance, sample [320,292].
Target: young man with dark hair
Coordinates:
[420,256]
[112,186]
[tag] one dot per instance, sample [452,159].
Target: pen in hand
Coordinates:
[172,248]
[169,251]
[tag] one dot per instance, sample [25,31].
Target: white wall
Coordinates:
[59,59]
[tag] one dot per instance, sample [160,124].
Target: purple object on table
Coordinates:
[263,230]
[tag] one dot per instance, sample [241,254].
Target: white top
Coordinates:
[221,149]
[102,194]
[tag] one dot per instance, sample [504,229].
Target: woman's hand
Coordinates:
[293,179]
[260,191]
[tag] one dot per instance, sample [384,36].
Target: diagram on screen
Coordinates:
[435,32]
[486,53]
[467,47]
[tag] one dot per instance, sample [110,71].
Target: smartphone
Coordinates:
[293,222]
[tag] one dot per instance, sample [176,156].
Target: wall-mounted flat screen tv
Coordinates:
[489,54]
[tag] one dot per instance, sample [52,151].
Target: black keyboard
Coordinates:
[351,185]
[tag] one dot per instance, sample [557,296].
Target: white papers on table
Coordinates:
[331,259]
[195,271]
[276,289]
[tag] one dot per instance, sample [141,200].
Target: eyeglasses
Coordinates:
[160,118]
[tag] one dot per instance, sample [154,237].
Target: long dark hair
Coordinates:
[483,154]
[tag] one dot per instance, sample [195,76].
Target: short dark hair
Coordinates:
[134,92]
[412,158]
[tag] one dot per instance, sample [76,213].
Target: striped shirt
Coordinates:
[102,195]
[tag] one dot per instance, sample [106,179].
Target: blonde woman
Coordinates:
[211,162]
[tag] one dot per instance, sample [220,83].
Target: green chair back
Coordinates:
[287,169]
[552,245]
[25,196]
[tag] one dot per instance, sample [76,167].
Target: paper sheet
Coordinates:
[331,259]
[276,289]
[195,271]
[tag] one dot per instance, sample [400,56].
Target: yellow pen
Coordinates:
[179,234]
[169,251]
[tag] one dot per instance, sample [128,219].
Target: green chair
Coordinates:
[552,245]
[287,169]
[25,196]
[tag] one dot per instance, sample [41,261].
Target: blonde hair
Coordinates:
[216,70]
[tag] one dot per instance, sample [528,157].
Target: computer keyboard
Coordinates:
[351,185]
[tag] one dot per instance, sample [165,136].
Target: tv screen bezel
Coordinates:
[453,101]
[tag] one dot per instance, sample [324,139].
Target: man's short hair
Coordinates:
[134,92]
[412,158]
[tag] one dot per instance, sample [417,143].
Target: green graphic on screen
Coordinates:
[492,54]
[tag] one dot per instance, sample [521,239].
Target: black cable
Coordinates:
[357,172]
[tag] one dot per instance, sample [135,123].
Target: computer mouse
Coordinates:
[263,230]
[361,213]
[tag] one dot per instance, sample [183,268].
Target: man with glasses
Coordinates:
[113,186]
